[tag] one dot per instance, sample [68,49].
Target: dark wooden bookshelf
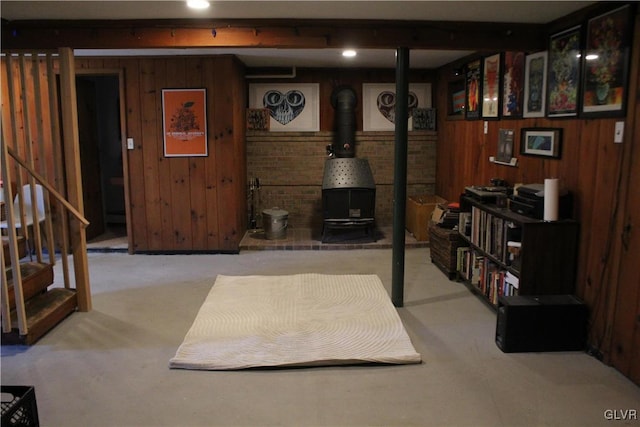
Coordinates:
[546,264]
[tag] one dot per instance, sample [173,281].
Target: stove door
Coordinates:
[348,204]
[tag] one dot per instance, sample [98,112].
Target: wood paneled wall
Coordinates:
[622,325]
[184,204]
[596,170]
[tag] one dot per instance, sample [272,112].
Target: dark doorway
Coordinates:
[99,128]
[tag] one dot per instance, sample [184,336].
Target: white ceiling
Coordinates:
[535,12]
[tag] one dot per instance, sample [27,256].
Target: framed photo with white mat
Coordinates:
[379,102]
[292,107]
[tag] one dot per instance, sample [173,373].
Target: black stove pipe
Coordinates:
[344,100]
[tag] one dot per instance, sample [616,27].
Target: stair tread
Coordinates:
[43,312]
[28,269]
[36,277]
[40,305]
[22,248]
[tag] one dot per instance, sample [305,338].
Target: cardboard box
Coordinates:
[419,211]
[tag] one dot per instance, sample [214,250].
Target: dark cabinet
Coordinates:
[541,323]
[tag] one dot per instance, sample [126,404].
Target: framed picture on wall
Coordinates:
[505,145]
[258,118]
[292,107]
[491,87]
[564,73]
[512,84]
[379,104]
[543,142]
[456,99]
[606,64]
[184,122]
[424,119]
[535,85]
[473,89]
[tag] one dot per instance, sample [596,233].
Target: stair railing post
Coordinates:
[71,143]
[15,257]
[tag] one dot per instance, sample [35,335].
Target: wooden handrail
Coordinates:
[49,188]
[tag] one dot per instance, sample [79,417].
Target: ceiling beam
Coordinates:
[312,34]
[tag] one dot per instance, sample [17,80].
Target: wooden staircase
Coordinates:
[42,197]
[45,306]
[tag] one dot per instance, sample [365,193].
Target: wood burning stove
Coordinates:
[348,188]
[348,197]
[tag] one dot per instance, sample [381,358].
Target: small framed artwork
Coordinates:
[292,107]
[424,119]
[456,99]
[184,122]
[512,84]
[258,119]
[505,145]
[491,87]
[543,142]
[535,84]
[606,64]
[379,104]
[563,73]
[473,90]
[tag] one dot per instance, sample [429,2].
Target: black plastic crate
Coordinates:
[19,406]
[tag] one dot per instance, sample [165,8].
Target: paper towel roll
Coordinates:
[551,199]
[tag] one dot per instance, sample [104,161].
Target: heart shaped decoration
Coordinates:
[387,104]
[284,107]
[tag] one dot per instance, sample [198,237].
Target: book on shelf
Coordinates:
[462,254]
[489,232]
[475,270]
[499,240]
[491,279]
[513,254]
[498,282]
[476,213]
[512,280]
[464,224]
[487,238]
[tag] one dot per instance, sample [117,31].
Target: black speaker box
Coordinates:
[541,323]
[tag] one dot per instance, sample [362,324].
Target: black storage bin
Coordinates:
[541,323]
[19,407]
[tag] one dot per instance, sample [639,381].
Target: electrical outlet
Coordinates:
[618,134]
[130,145]
[486,127]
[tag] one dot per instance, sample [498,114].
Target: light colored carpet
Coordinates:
[295,320]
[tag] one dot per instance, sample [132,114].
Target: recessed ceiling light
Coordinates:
[349,53]
[198,4]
